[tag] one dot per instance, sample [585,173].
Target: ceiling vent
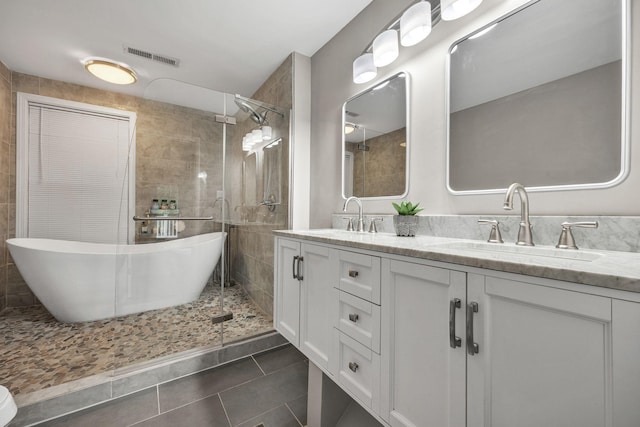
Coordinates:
[164,59]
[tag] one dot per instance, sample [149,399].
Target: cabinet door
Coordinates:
[544,356]
[319,274]
[423,377]
[287,291]
[626,364]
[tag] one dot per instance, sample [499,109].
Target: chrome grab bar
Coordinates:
[173,218]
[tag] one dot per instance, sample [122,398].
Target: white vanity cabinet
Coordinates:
[355,363]
[423,375]
[544,355]
[305,275]
[421,343]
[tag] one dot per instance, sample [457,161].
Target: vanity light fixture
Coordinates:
[454,9]
[257,136]
[414,25]
[385,48]
[266,133]
[110,71]
[364,69]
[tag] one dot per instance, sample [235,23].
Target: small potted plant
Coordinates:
[406,222]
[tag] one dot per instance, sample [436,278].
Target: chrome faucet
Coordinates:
[525,237]
[360,225]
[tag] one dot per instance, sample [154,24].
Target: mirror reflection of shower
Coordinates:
[263,133]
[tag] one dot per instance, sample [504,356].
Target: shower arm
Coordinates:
[173,218]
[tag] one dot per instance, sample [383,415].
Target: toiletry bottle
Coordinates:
[144,228]
[155,205]
[164,204]
[173,205]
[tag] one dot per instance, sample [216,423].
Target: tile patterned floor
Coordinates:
[40,352]
[268,388]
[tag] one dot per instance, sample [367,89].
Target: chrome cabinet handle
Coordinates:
[353,366]
[300,259]
[472,347]
[454,341]
[293,265]
[353,273]
[354,317]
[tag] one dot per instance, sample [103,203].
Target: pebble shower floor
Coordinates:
[40,352]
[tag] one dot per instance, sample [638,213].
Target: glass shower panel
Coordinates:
[167,293]
[258,197]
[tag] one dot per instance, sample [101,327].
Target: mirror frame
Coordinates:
[407,79]
[625,123]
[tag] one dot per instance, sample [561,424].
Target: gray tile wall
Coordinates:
[381,171]
[252,244]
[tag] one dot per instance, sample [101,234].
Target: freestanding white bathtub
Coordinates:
[79,282]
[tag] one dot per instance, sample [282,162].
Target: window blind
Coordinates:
[77,175]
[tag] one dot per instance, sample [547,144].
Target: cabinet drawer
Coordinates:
[357,369]
[360,275]
[358,318]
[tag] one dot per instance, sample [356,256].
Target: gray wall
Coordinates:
[331,85]
[563,132]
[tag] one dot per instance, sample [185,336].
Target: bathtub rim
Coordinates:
[88,248]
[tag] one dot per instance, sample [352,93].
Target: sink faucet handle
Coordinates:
[349,223]
[494,235]
[566,240]
[372,226]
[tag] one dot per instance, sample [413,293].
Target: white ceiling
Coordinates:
[228,46]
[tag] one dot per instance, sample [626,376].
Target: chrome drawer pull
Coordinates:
[353,273]
[472,347]
[353,366]
[354,317]
[300,259]
[454,341]
[293,264]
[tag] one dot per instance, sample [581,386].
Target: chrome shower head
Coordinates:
[253,114]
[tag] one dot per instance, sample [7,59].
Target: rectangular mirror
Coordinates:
[540,97]
[375,141]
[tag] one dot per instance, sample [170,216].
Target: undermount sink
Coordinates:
[535,251]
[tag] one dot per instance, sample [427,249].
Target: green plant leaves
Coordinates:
[407,208]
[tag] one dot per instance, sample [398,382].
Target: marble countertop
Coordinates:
[610,269]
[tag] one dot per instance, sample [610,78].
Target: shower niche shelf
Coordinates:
[165,212]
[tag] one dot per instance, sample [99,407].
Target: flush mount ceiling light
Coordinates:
[415,24]
[454,9]
[349,128]
[110,71]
